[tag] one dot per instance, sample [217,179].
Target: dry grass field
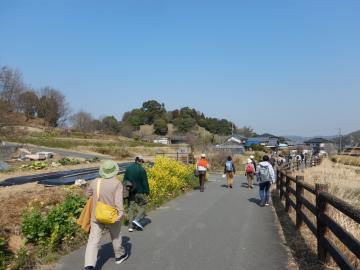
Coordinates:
[343,182]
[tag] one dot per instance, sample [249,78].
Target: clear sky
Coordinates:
[285,67]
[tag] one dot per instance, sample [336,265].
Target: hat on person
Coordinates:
[249,160]
[203,155]
[108,169]
[252,157]
[139,158]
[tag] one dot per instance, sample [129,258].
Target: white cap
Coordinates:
[203,155]
[249,160]
[252,157]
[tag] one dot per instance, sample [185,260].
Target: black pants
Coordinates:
[202,176]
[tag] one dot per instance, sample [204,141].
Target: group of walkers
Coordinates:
[105,209]
[263,172]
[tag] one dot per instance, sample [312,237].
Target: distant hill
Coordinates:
[352,138]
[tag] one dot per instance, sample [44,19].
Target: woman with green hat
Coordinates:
[106,190]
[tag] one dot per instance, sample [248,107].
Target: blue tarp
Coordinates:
[4,166]
[251,142]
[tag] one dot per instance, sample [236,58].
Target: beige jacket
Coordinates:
[111,193]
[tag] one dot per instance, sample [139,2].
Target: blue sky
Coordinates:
[285,67]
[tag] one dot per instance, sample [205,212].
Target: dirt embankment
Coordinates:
[15,199]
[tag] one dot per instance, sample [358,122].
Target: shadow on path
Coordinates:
[255,200]
[305,258]
[106,252]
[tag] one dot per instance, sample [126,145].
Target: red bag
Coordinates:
[250,168]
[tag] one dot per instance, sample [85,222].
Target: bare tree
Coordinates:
[83,121]
[52,106]
[11,86]
[27,103]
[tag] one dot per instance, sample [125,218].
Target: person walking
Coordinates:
[136,175]
[107,190]
[265,177]
[229,170]
[202,166]
[253,161]
[250,173]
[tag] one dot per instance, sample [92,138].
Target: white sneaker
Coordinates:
[267,203]
[131,229]
[137,224]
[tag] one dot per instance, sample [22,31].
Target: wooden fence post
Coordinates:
[299,206]
[321,206]
[287,194]
[278,175]
[282,176]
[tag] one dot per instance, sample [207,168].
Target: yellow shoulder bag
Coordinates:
[104,213]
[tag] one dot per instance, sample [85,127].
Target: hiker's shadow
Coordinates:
[106,252]
[254,200]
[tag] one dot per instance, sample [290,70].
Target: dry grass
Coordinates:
[347,160]
[344,183]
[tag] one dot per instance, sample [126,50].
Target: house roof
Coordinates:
[273,142]
[318,140]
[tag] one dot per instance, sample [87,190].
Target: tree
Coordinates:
[184,124]
[135,118]
[28,102]
[160,126]
[110,124]
[246,131]
[83,121]
[153,110]
[52,107]
[11,86]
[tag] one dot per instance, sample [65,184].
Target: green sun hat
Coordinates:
[108,169]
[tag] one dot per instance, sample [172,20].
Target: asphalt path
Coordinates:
[61,152]
[218,229]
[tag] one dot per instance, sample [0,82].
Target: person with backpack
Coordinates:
[265,177]
[253,161]
[136,175]
[106,213]
[201,167]
[229,170]
[250,173]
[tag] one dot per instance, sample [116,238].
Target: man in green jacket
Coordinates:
[136,175]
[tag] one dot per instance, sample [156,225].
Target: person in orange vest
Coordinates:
[202,166]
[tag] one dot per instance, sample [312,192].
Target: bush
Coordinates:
[68,161]
[36,165]
[52,228]
[167,179]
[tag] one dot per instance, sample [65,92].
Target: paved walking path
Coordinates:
[219,229]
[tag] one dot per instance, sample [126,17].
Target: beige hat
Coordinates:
[249,160]
[252,157]
[203,155]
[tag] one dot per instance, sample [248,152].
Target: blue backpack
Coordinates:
[229,166]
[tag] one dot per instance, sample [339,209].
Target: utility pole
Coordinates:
[340,140]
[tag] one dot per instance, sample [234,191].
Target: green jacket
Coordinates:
[136,174]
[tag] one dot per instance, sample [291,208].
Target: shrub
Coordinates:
[68,161]
[167,179]
[52,228]
[36,165]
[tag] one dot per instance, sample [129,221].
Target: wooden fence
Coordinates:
[320,213]
[187,158]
